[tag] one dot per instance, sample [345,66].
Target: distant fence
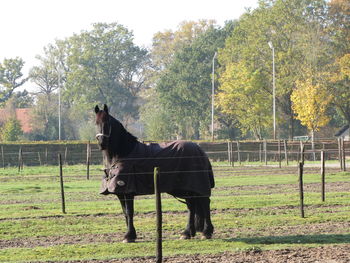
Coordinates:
[233,152]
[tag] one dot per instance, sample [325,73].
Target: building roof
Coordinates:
[22,115]
[342,130]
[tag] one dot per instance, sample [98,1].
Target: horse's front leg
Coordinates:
[127,203]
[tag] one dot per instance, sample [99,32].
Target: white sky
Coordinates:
[26,26]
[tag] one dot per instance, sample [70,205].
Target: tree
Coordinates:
[45,77]
[12,130]
[310,103]
[155,113]
[339,32]
[340,86]
[185,88]
[241,97]
[11,77]
[105,67]
[289,25]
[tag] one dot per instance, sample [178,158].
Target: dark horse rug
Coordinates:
[185,170]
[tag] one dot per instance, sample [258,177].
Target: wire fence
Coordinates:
[232,152]
[78,195]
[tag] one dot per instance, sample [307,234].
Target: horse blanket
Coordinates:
[184,169]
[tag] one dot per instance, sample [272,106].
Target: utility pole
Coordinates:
[212,97]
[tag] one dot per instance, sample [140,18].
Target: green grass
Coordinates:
[244,206]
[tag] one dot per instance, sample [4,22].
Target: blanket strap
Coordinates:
[178,199]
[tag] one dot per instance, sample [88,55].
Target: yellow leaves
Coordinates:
[310,102]
[341,69]
[241,97]
[344,63]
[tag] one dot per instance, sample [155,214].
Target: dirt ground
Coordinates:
[327,254]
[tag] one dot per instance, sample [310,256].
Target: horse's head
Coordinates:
[104,127]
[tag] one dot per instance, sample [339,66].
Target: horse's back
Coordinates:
[184,168]
[188,164]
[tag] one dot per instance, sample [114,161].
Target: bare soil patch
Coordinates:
[326,254]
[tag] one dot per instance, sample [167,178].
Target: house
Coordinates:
[344,133]
[22,115]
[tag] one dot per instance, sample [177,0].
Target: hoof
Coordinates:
[128,241]
[204,237]
[184,237]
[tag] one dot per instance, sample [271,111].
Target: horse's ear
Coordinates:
[97,109]
[105,108]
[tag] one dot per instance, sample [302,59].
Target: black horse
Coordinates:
[185,173]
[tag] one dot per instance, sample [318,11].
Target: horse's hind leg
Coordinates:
[190,230]
[208,227]
[127,203]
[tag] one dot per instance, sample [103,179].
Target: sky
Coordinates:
[27,26]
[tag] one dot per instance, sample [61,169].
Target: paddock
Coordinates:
[255,212]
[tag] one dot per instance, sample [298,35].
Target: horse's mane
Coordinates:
[122,142]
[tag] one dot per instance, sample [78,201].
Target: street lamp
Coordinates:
[273,89]
[60,74]
[212,98]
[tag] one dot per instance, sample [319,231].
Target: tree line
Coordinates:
[165,92]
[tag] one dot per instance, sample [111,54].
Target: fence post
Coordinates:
[88,161]
[39,158]
[302,152]
[323,181]
[20,160]
[238,153]
[265,151]
[158,215]
[343,155]
[301,189]
[3,157]
[260,153]
[228,153]
[46,156]
[61,184]
[232,156]
[285,151]
[65,154]
[340,154]
[279,153]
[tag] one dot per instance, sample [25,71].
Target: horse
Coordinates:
[185,173]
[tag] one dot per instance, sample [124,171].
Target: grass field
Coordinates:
[253,208]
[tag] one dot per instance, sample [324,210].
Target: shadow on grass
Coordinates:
[298,239]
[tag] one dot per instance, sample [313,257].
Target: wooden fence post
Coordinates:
[228,153]
[323,180]
[302,152]
[88,161]
[260,153]
[65,154]
[279,153]
[46,157]
[340,154]
[232,156]
[301,189]
[20,159]
[158,215]
[61,184]
[285,151]
[39,158]
[3,157]
[238,153]
[265,151]
[343,155]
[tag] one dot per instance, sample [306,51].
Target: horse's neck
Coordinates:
[112,156]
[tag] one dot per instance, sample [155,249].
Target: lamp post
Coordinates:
[212,97]
[59,105]
[273,89]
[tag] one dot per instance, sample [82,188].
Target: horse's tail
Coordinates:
[199,215]
[211,175]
